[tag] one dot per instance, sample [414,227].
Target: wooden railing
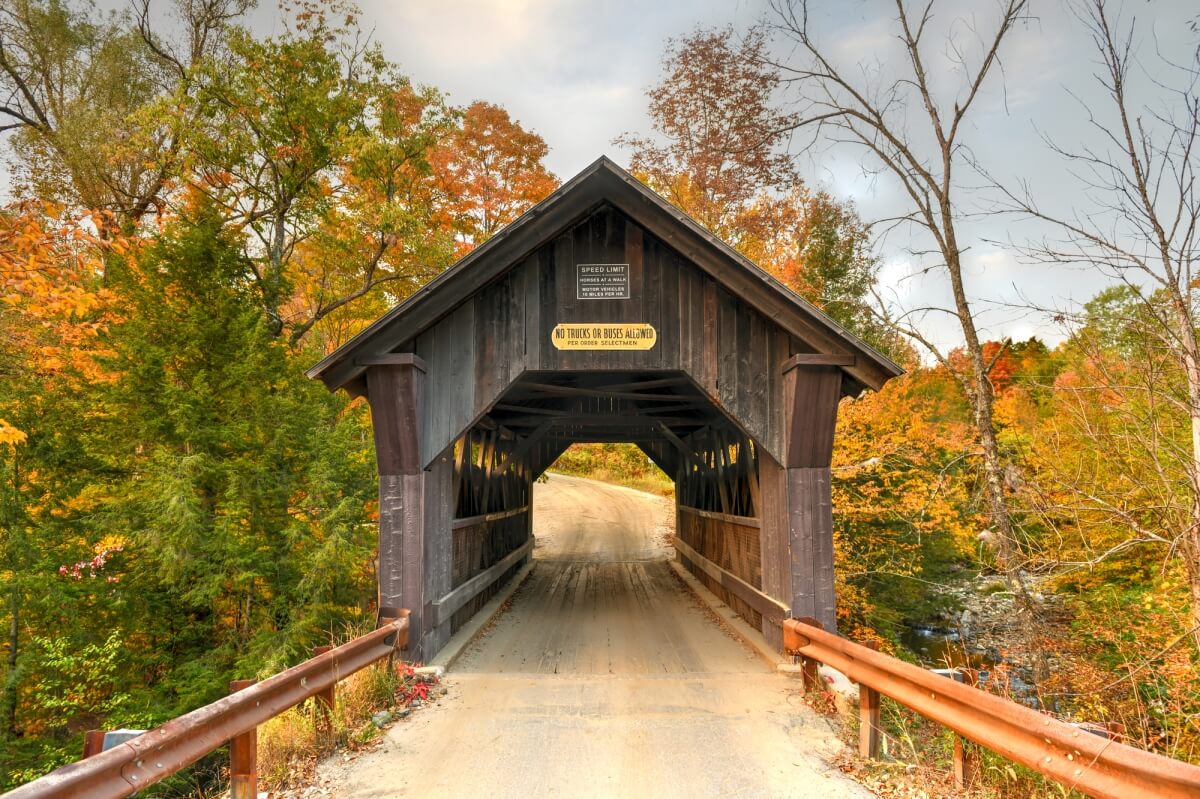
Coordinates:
[448,605]
[131,766]
[1065,753]
[766,605]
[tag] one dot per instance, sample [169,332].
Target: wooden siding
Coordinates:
[478,350]
[476,547]
[732,544]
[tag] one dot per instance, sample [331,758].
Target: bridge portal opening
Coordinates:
[604,314]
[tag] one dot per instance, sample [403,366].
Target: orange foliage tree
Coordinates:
[490,170]
[52,312]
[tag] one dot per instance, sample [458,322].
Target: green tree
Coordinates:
[244,487]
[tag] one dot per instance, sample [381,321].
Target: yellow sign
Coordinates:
[603,336]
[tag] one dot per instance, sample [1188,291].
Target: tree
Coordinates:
[724,139]
[899,122]
[240,489]
[721,157]
[1143,230]
[903,482]
[491,170]
[52,314]
[78,88]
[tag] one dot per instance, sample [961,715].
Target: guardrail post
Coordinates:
[812,678]
[323,705]
[243,756]
[868,718]
[93,743]
[386,616]
[965,754]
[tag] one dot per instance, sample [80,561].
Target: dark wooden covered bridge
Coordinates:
[604,314]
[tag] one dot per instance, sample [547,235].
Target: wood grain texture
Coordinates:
[478,350]
[810,528]
[603,184]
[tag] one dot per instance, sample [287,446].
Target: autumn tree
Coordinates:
[720,140]
[52,314]
[720,153]
[903,489]
[491,170]
[900,121]
[1139,223]
[78,91]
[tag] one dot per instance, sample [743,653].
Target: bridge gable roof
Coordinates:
[603,182]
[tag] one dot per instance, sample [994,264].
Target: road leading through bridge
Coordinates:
[605,677]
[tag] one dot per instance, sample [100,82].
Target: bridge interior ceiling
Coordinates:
[682,430]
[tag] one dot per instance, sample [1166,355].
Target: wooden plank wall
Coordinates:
[730,542]
[478,546]
[775,540]
[731,351]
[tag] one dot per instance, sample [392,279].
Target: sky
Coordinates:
[577,72]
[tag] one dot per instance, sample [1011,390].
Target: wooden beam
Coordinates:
[532,410]
[767,606]
[688,455]
[495,516]
[394,392]
[818,359]
[643,385]
[452,602]
[608,420]
[744,521]
[683,406]
[584,437]
[392,359]
[521,448]
[576,391]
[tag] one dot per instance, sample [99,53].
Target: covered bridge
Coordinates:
[604,314]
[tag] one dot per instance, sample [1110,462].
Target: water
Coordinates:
[942,649]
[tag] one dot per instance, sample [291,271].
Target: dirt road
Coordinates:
[605,678]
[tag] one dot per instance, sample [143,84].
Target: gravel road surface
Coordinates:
[604,678]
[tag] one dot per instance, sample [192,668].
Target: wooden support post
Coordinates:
[966,756]
[868,719]
[323,704]
[243,757]
[93,743]
[812,675]
[395,390]
[811,395]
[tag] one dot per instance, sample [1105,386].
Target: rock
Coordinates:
[428,673]
[838,682]
[381,718]
[402,712]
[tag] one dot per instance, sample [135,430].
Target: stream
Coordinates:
[937,648]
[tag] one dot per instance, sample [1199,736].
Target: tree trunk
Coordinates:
[982,399]
[1190,547]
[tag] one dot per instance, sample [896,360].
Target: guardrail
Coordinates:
[1065,753]
[158,753]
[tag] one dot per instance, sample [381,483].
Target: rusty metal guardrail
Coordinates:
[158,753]
[1065,753]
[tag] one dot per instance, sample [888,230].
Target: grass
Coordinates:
[291,744]
[619,464]
[917,759]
